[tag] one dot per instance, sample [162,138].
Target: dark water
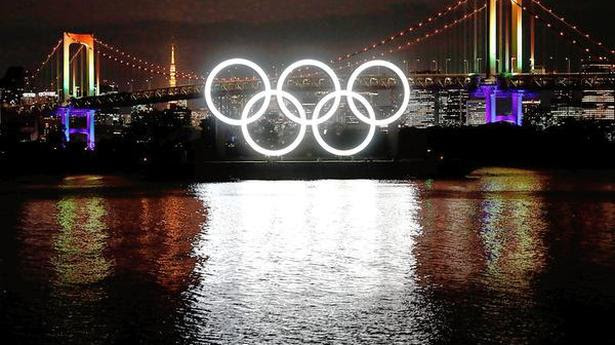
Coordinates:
[510,257]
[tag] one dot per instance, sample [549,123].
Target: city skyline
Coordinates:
[500,58]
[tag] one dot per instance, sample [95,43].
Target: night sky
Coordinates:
[207,31]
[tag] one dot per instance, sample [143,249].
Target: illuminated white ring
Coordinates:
[210,81]
[371,122]
[246,112]
[309,62]
[404,82]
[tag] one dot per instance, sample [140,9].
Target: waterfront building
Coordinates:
[452,107]
[421,110]
[475,112]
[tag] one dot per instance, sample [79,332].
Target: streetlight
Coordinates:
[465,66]
[446,68]
[568,61]
[435,64]
[418,63]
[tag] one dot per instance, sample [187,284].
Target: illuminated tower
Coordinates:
[517,36]
[492,50]
[504,40]
[173,79]
[89,86]
[505,37]
[172,70]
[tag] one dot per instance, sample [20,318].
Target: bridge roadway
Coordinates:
[530,82]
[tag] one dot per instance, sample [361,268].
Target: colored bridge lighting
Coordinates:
[302,119]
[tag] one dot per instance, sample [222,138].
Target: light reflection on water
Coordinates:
[508,256]
[307,260]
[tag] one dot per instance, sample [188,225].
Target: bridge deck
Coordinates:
[531,82]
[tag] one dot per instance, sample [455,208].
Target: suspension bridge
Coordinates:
[495,49]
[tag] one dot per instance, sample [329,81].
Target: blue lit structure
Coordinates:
[491,94]
[66,113]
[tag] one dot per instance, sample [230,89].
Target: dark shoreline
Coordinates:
[222,171]
[230,171]
[323,169]
[435,152]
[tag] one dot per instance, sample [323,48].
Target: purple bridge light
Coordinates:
[66,113]
[491,94]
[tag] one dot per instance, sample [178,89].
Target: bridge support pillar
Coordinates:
[491,94]
[91,142]
[65,114]
[65,119]
[517,107]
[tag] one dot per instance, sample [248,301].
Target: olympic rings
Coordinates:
[315,63]
[245,121]
[404,82]
[372,126]
[302,119]
[210,81]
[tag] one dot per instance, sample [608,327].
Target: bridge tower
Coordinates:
[505,43]
[505,55]
[492,59]
[91,87]
[90,84]
[517,36]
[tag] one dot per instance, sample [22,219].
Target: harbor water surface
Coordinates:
[503,256]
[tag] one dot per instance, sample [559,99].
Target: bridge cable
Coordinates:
[397,35]
[410,43]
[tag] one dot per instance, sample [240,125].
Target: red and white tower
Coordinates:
[172,69]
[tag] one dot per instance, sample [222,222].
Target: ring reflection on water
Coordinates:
[507,256]
[297,260]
